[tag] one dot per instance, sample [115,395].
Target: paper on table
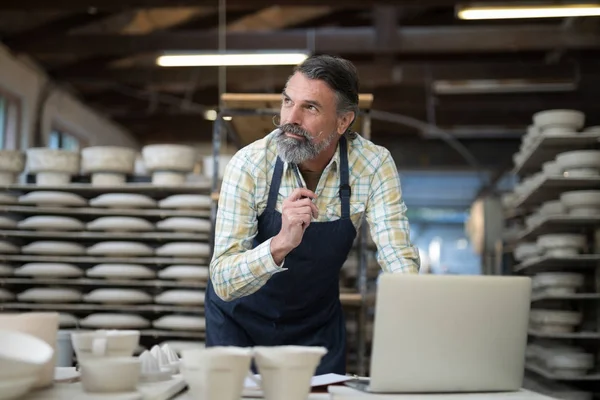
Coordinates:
[317,380]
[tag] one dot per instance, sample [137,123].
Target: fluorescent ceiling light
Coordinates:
[501,86]
[230,59]
[528,11]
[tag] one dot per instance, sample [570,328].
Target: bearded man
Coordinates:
[289,209]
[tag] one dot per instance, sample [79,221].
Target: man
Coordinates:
[289,209]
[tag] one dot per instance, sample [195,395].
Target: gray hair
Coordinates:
[341,76]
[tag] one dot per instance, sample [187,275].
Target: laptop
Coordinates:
[448,333]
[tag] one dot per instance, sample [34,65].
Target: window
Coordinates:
[9,121]
[59,139]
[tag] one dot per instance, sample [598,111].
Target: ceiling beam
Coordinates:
[371,74]
[122,5]
[411,40]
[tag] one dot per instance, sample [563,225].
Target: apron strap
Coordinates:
[275,183]
[345,190]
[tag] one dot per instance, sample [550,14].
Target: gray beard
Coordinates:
[297,151]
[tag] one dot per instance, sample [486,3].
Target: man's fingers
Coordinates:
[298,193]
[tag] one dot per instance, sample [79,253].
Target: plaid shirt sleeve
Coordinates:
[236,268]
[389,226]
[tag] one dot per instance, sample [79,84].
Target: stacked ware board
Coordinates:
[553,233]
[105,248]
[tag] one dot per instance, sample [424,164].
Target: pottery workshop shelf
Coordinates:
[100,212]
[545,148]
[86,189]
[560,263]
[75,307]
[552,220]
[149,283]
[572,296]
[559,224]
[143,236]
[550,188]
[561,377]
[103,260]
[565,335]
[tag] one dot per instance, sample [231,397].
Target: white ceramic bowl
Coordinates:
[105,343]
[553,207]
[12,163]
[560,118]
[52,166]
[169,157]
[551,168]
[581,198]
[561,240]
[22,355]
[110,375]
[579,159]
[108,159]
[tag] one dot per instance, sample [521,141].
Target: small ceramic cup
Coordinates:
[216,373]
[104,343]
[286,371]
[110,375]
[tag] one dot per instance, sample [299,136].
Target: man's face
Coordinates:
[309,119]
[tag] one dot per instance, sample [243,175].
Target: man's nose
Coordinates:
[295,116]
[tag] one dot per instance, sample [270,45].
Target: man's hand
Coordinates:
[296,214]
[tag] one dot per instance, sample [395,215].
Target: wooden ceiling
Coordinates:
[106,53]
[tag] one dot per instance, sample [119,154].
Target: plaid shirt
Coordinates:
[238,270]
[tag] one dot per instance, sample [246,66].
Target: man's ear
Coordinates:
[344,122]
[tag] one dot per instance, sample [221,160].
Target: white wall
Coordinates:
[24,80]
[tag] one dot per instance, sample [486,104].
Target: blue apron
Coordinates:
[300,306]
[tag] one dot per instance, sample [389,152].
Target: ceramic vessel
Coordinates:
[582,202]
[12,163]
[108,165]
[559,121]
[52,167]
[105,343]
[168,178]
[120,224]
[169,157]
[110,375]
[22,354]
[216,373]
[51,223]
[43,325]
[286,371]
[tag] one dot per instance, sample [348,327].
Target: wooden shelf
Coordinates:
[546,148]
[88,235]
[142,283]
[101,212]
[103,260]
[570,335]
[552,187]
[559,263]
[559,224]
[85,189]
[549,375]
[83,307]
[574,296]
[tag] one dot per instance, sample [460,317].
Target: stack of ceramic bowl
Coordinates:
[12,163]
[579,163]
[52,167]
[554,321]
[106,360]
[108,165]
[565,361]
[559,122]
[22,360]
[169,163]
[547,209]
[158,364]
[561,244]
[582,203]
[525,251]
[557,283]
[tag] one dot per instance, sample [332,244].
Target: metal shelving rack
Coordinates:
[262,108]
[586,334]
[151,311]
